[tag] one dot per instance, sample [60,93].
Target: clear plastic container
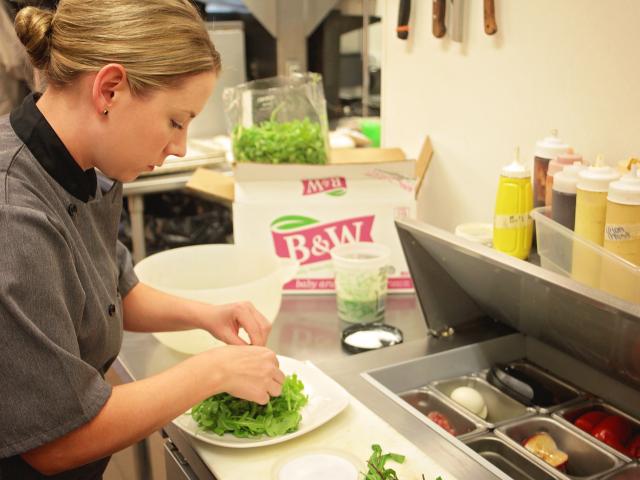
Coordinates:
[555,247]
[361,281]
[279,120]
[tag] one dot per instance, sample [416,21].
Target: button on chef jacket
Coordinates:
[62,278]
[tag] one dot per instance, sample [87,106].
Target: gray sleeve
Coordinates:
[127,278]
[47,389]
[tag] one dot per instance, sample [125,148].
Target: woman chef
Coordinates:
[125,79]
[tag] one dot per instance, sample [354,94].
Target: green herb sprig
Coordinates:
[376,464]
[224,413]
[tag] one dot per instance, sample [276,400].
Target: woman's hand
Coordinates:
[224,322]
[149,310]
[247,372]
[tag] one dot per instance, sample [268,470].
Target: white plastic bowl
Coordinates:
[216,274]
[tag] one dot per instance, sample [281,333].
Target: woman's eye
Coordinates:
[176,125]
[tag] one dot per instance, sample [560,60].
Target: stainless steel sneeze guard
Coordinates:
[458,281]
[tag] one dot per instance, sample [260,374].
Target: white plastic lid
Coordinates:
[515,169]
[476,232]
[551,147]
[596,178]
[360,256]
[566,181]
[557,164]
[626,190]
[317,465]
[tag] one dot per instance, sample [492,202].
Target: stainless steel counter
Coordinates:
[307,328]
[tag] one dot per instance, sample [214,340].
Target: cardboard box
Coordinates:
[302,211]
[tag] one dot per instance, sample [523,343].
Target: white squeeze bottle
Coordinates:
[622,237]
[591,208]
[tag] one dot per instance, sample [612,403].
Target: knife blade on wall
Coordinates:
[457,19]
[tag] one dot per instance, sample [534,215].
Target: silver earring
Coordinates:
[105,111]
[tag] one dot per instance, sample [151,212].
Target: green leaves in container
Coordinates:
[296,141]
[224,413]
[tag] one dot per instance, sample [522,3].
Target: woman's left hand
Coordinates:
[225,322]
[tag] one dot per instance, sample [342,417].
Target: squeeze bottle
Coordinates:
[556,166]
[591,208]
[564,195]
[546,150]
[512,225]
[622,237]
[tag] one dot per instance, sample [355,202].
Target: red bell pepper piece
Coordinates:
[614,431]
[588,421]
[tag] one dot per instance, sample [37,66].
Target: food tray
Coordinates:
[501,408]
[511,461]
[570,414]
[563,392]
[425,401]
[630,472]
[587,460]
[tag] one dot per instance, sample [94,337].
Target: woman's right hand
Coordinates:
[247,372]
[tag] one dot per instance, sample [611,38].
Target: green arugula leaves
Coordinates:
[224,413]
[297,141]
[376,464]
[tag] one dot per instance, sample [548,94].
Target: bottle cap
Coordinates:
[515,169]
[557,164]
[597,177]
[626,190]
[551,147]
[567,180]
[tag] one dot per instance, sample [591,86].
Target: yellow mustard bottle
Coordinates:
[591,209]
[512,224]
[622,237]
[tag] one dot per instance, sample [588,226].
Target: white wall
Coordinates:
[573,65]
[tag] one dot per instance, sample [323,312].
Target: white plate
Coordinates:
[326,400]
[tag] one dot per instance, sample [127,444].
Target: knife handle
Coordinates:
[490,26]
[438,26]
[403,19]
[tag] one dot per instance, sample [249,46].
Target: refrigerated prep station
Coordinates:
[507,370]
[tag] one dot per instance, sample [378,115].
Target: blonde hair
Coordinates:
[159,42]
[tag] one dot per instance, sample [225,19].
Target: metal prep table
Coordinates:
[307,328]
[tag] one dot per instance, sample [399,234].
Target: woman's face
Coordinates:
[143,130]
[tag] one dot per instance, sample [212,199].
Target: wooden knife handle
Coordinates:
[438,26]
[490,26]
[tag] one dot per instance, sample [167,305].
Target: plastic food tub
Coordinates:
[559,247]
[216,274]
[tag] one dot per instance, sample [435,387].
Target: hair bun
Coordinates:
[33,26]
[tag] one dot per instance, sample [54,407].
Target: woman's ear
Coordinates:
[109,83]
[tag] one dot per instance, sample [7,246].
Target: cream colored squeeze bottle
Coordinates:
[591,208]
[622,237]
